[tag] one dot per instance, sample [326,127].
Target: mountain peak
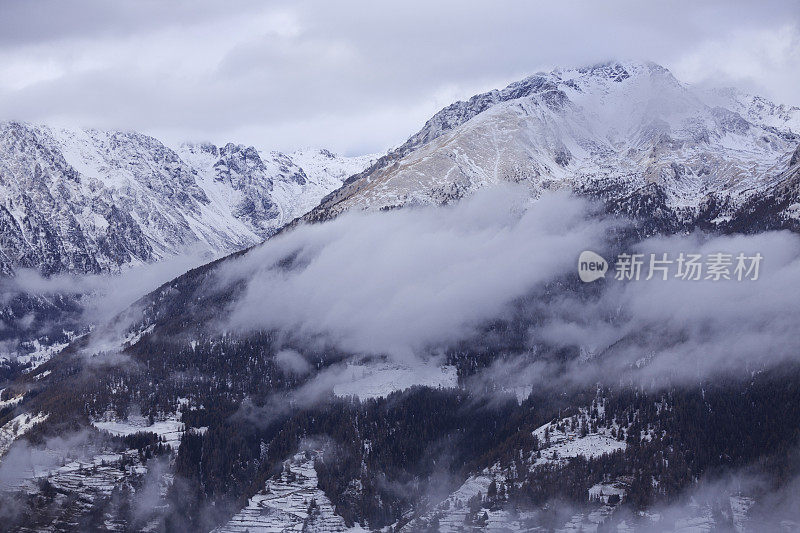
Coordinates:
[616,127]
[617,72]
[612,70]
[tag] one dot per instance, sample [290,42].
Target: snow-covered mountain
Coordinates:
[94,201]
[506,426]
[627,132]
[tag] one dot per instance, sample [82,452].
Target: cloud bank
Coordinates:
[414,283]
[402,282]
[34,307]
[353,76]
[663,331]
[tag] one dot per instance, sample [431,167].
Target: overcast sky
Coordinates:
[354,76]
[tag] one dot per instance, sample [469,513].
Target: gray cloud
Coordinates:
[398,283]
[775,507]
[23,460]
[355,76]
[665,331]
[741,499]
[291,362]
[104,295]
[91,300]
[411,283]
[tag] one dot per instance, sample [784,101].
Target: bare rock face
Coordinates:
[89,201]
[795,157]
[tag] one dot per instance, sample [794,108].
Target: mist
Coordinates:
[75,303]
[103,295]
[662,332]
[412,283]
[404,282]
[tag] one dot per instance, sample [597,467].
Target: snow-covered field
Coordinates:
[169,428]
[567,443]
[97,473]
[35,354]
[40,354]
[11,401]
[375,380]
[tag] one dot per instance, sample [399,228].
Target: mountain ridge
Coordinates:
[90,201]
[606,131]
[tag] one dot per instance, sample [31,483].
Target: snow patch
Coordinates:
[379,380]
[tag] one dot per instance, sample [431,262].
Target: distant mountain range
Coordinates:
[89,201]
[627,133]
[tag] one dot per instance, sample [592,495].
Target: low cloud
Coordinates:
[314,391]
[677,330]
[412,283]
[403,282]
[291,362]
[102,295]
[24,461]
[74,302]
[739,500]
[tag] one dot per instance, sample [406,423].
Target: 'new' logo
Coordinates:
[591,266]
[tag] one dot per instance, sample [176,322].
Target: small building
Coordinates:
[605,492]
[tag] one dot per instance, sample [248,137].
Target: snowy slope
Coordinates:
[611,130]
[94,201]
[293,502]
[17,427]
[468,509]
